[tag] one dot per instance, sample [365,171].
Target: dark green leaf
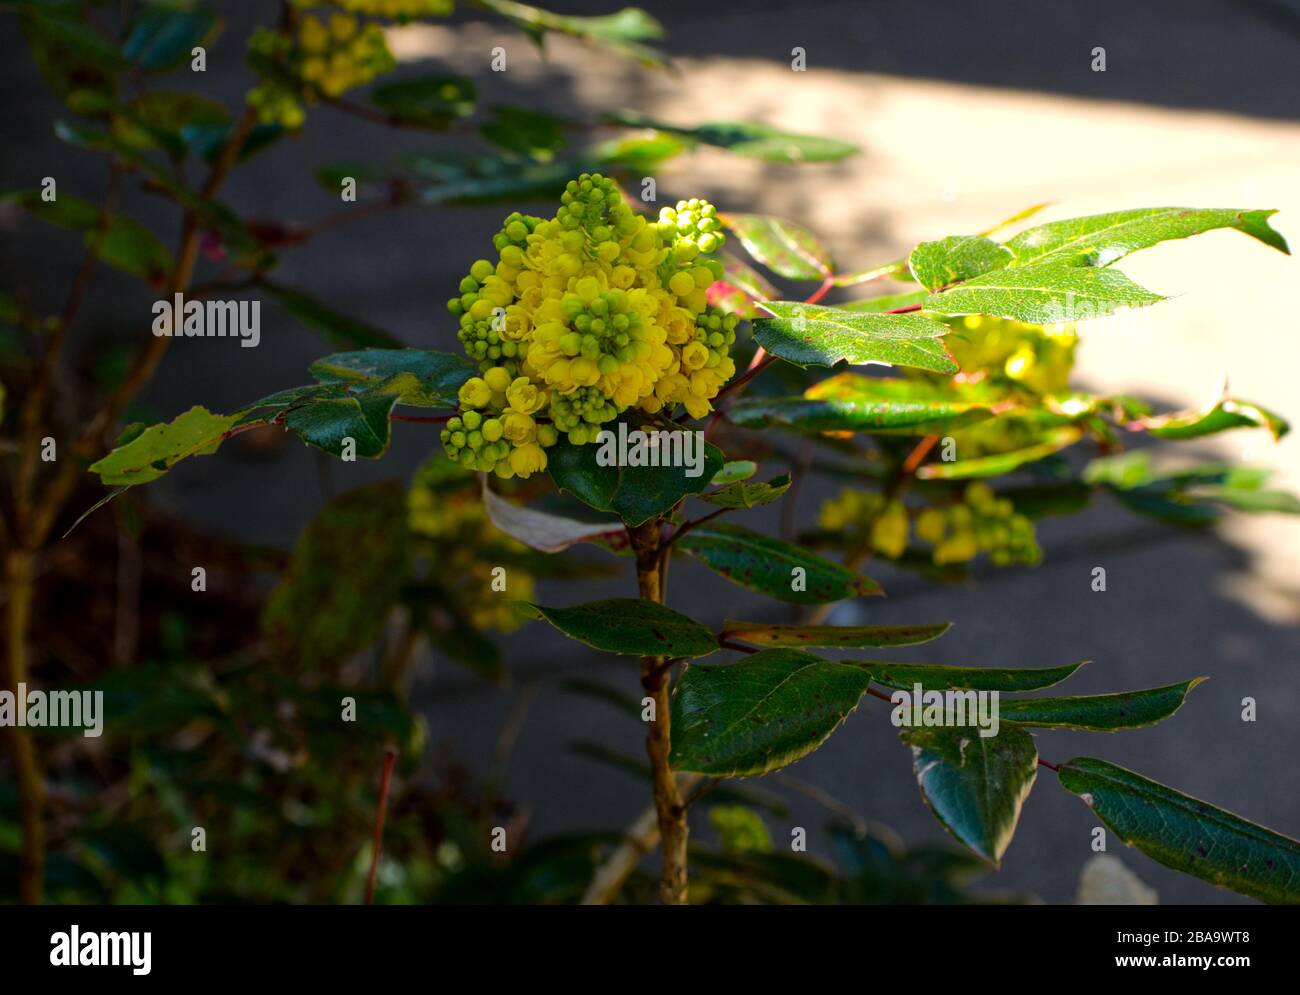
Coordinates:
[760,713]
[623,31]
[427,100]
[328,424]
[347,571]
[904,676]
[1102,712]
[1100,239]
[1044,294]
[853,403]
[744,495]
[975,785]
[956,258]
[757,141]
[812,335]
[787,249]
[635,493]
[772,567]
[832,635]
[529,133]
[418,377]
[629,626]
[164,35]
[1186,833]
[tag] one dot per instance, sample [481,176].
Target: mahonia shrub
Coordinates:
[610,314]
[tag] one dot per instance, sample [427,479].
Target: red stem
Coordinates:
[385,780]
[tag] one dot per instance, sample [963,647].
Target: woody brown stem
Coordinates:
[669,809]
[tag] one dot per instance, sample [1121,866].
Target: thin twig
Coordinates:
[385,780]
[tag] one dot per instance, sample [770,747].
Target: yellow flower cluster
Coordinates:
[1036,357]
[326,58]
[980,523]
[444,508]
[583,316]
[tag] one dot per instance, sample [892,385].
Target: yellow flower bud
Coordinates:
[474,393]
[497,379]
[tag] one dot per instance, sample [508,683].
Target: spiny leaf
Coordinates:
[1186,833]
[630,626]
[745,495]
[956,258]
[999,463]
[150,454]
[764,634]
[328,424]
[1225,414]
[812,335]
[756,141]
[1045,294]
[1100,239]
[975,785]
[760,713]
[770,566]
[853,403]
[635,493]
[427,100]
[1100,712]
[933,677]
[418,377]
[787,249]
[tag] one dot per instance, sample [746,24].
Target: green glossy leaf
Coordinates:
[787,249]
[772,567]
[1186,833]
[427,100]
[756,141]
[417,376]
[888,302]
[624,31]
[933,677]
[733,470]
[975,785]
[71,55]
[852,403]
[745,495]
[340,329]
[630,626]
[532,134]
[1278,502]
[1100,239]
[1222,416]
[856,636]
[328,424]
[635,493]
[956,258]
[347,572]
[990,466]
[1045,294]
[760,713]
[131,247]
[1099,712]
[163,35]
[151,453]
[812,335]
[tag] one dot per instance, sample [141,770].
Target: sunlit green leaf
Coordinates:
[812,335]
[787,249]
[1044,294]
[1099,712]
[956,258]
